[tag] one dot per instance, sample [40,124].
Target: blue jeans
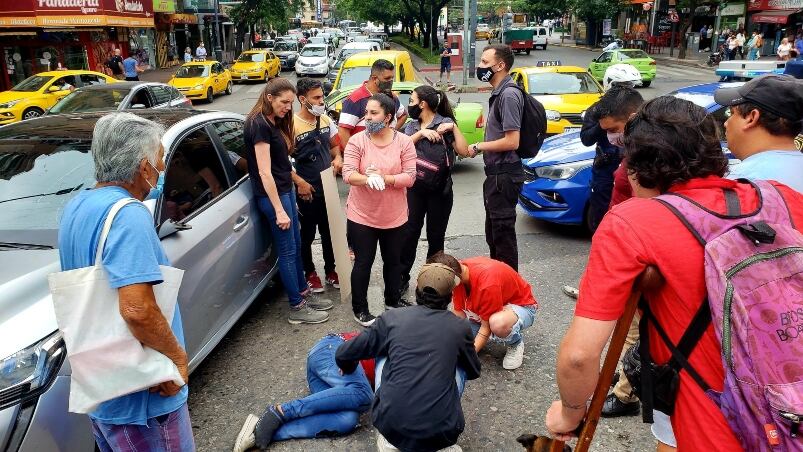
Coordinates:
[459,376]
[526,315]
[753,54]
[288,246]
[335,402]
[169,432]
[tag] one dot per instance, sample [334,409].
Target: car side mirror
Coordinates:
[171,227]
[54,88]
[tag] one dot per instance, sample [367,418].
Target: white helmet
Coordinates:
[621,73]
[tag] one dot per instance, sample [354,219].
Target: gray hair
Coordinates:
[119,143]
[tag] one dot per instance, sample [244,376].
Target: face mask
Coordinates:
[156,191]
[316,110]
[414,111]
[384,86]
[374,126]
[484,74]
[615,138]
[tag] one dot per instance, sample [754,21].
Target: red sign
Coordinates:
[763,5]
[769,18]
[55,13]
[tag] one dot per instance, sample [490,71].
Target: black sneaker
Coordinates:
[613,407]
[400,303]
[364,318]
[405,286]
[269,422]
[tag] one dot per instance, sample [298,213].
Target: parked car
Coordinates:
[34,95]
[315,59]
[256,65]
[565,92]
[357,68]
[287,51]
[558,179]
[219,240]
[121,96]
[202,80]
[470,119]
[266,44]
[634,57]
[348,50]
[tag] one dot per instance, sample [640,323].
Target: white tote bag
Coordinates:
[107,361]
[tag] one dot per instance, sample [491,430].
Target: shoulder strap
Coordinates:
[107,225]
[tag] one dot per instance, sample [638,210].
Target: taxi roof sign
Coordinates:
[548,63]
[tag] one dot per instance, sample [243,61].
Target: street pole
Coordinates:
[654,24]
[218,49]
[466,41]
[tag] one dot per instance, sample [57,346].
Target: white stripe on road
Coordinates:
[678,72]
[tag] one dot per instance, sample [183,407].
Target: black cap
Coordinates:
[781,95]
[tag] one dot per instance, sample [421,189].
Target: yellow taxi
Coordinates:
[565,91]
[202,80]
[357,68]
[255,65]
[34,95]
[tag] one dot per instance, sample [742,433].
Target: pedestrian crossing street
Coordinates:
[681,73]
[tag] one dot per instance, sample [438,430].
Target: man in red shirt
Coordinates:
[496,300]
[671,146]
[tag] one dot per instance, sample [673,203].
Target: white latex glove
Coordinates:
[376,182]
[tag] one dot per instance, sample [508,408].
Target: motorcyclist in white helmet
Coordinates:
[621,73]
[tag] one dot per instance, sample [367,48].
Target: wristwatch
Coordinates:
[476,147]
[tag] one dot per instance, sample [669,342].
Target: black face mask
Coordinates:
[484,74]
[384,86]
[414,111]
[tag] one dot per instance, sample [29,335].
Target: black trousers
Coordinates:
[363,243]
[501,194]
[601,189]
[313,218]
[436,207]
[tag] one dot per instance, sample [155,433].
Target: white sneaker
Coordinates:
[453,448]
[514,356]
[245,439]
[383,445]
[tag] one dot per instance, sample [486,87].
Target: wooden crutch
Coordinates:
[650,279]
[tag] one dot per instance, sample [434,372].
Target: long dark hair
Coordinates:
[386,103]
[436,100]
[275,88]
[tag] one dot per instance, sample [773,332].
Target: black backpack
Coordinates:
[533,124]
[434,164]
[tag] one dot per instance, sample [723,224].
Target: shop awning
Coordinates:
[774,17]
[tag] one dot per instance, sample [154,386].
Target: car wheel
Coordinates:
[209,95]
[587,219]
[32,112]
[266,76]
[646,84]
[228,89]
[544,46]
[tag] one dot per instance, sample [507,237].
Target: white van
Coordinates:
[540,35]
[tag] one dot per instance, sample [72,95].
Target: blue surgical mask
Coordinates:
[156,191]
[374,126]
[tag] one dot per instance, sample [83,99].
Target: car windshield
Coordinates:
[251,58]
[286,46]
[353,76]
[90,100]
[192,71]
[629,54]
[313,51]
[562,83]
[37,179]
[33,83]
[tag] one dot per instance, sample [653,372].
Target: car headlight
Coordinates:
[198,87]
[29,372]
[563,170]
[552,115]
[10,104]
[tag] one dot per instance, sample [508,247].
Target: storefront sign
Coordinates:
[164,6]
[733,9]
[178,18]
[763,5]
[76,13]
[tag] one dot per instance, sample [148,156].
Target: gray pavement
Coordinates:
[262,359]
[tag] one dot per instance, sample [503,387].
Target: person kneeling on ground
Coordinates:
[424,355]
[496,300]
[333,407]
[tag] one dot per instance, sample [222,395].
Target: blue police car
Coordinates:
[558,179]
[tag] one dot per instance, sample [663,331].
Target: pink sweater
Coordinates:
[379,209]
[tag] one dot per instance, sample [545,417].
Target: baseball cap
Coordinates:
[438,277]
[781,95]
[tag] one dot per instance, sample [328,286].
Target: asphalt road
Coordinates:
[262,359]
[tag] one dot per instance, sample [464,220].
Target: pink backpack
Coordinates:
[754,279]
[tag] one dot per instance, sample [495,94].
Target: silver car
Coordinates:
[121,96]
[205,217]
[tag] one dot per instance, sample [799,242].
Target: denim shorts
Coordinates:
[526,315]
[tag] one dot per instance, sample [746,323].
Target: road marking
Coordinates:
[677,72]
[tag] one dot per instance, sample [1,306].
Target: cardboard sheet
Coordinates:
[337,229]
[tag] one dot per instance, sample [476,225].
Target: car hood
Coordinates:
[187,82]
[249,66]
[8,96]
[563,148]
[26,309]
[568,103]
[286,53]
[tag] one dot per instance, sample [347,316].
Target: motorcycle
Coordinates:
[716,57]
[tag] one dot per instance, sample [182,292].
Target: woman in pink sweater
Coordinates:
[379,164]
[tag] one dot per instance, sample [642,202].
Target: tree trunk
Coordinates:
[387,29]
[683,30]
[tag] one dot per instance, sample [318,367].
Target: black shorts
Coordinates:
[446,67]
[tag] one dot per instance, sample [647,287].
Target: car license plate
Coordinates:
[243,77]
[522,42]
[571,129]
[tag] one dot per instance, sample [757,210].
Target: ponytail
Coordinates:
[436,101]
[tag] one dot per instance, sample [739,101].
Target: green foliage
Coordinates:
[275,13]
[414,47]
[371,11]
[596,9]
[540,8]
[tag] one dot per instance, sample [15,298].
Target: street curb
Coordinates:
[665,60]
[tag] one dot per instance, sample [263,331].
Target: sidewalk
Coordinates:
[429,73]
[694,59]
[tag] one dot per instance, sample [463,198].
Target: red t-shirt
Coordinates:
[368,365]
[493,285]
[622,191]
[642,232]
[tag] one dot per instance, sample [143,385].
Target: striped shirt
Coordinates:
[352,116]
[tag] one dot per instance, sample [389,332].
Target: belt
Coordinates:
[492,169]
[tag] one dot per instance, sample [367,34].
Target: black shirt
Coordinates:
[417,407]
[114,64]
[259,130]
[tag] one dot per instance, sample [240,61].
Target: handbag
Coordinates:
[107,361]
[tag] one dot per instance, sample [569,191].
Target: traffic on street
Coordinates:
[320,238]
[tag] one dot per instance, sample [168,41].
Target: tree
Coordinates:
[686,23]
[273,13]
[372,11]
